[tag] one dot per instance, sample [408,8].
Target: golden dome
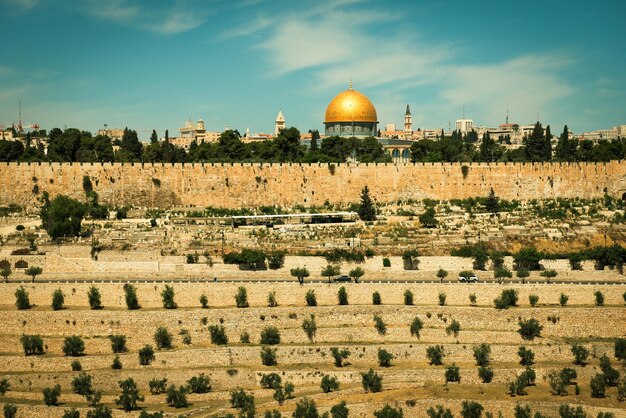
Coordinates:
[350,106]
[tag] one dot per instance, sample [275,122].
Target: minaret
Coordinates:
[408,121]
[280,123]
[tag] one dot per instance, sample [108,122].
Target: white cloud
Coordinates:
[21,5]
[170,20]
[335,42]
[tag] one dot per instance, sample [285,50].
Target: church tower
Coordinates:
[408,121]
[280,123]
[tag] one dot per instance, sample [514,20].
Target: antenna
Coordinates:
[463,111]
[20,121]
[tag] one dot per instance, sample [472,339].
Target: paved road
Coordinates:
[416,281]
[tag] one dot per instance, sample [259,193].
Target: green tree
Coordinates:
[439,412]
[130,293]
[482,354]
[241,298]
[118,343]
[471,409]
[300,273]
[389,412]
[154,138]
[384,358]
[93,295]
[442,274]
[342,296]
[21,299]
[339,410]
[372,381]
[51,395]
[73,346]
[130,146]
[339,356]
[537,146]
[356,273]
[62,216]
[5,272]
[57,300]
[427,219]
[329,383]
[167,294]
[435,355]
[311,299]
[33,272]
[492,203]
[565,149]
[309,327]
[581,354]
[366,211]
[163,338]
[146,355]
[305,408]
[530,329]
[199,384]
[416,327]
[270,336]
[526,356]
[268,356]
[177,397]
[32,345]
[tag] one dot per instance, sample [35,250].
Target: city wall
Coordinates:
[249,185]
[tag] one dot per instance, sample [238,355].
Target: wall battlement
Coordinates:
[255,184]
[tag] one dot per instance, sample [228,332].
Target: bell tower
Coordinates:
[408,121]
[280,123]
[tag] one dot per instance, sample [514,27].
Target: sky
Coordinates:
[153,64]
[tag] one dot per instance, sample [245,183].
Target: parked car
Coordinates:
[342,279]
[469,279]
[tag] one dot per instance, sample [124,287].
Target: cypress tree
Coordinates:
[366,211]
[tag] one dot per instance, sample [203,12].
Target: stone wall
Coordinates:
[249,185]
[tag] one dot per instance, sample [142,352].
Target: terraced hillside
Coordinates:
[360,327]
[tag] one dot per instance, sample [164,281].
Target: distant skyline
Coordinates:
[154,64]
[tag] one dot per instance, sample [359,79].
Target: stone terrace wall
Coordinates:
[249,185]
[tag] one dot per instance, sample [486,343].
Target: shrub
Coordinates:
[563,299]
[485,374]
[157,386]
[442,299]
[118,343]
[557,384]
[73,346]
[218,335]
[244,338]
[507,298]
[271,381]
[442,274]
[10,411]
[81,384]
[526,356]
[533,299]
[100,411]
[93,295]
[130,293]
[549,274]
[271,300]
[130,395]
[342,296]
[309,327]
[339,356]
[276,259]
[162,338]
[177,397]
[146,355]
[310,298]
[529,329]
[376,300]
[199,384]
[117,363]
[386,262]
[21,299]
[146,414]
[439,412]
[522,411]
[204,301]
[239,399]
[76,366]
[408,297]
[270,336]
[620,348]
[389,412]
[384,358]
[329,383]
[380,325]
[268,356]
[51,395]
[611,375]
[371,381]
[241,298]
[598,386]
[566,411]
[167,294]
[58,298]
[472,299]
[454,328]
[416,326]
[482,353]
[32,344]
[453,373]
[599,297]
[580,354]
[339,410]
[435,355]
[305,408]
[71,413]
[4,386]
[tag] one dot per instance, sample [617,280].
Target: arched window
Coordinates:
[21,264]
[5,265]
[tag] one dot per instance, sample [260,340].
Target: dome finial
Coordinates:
[350,84]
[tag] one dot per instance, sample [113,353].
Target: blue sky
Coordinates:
[153,64]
